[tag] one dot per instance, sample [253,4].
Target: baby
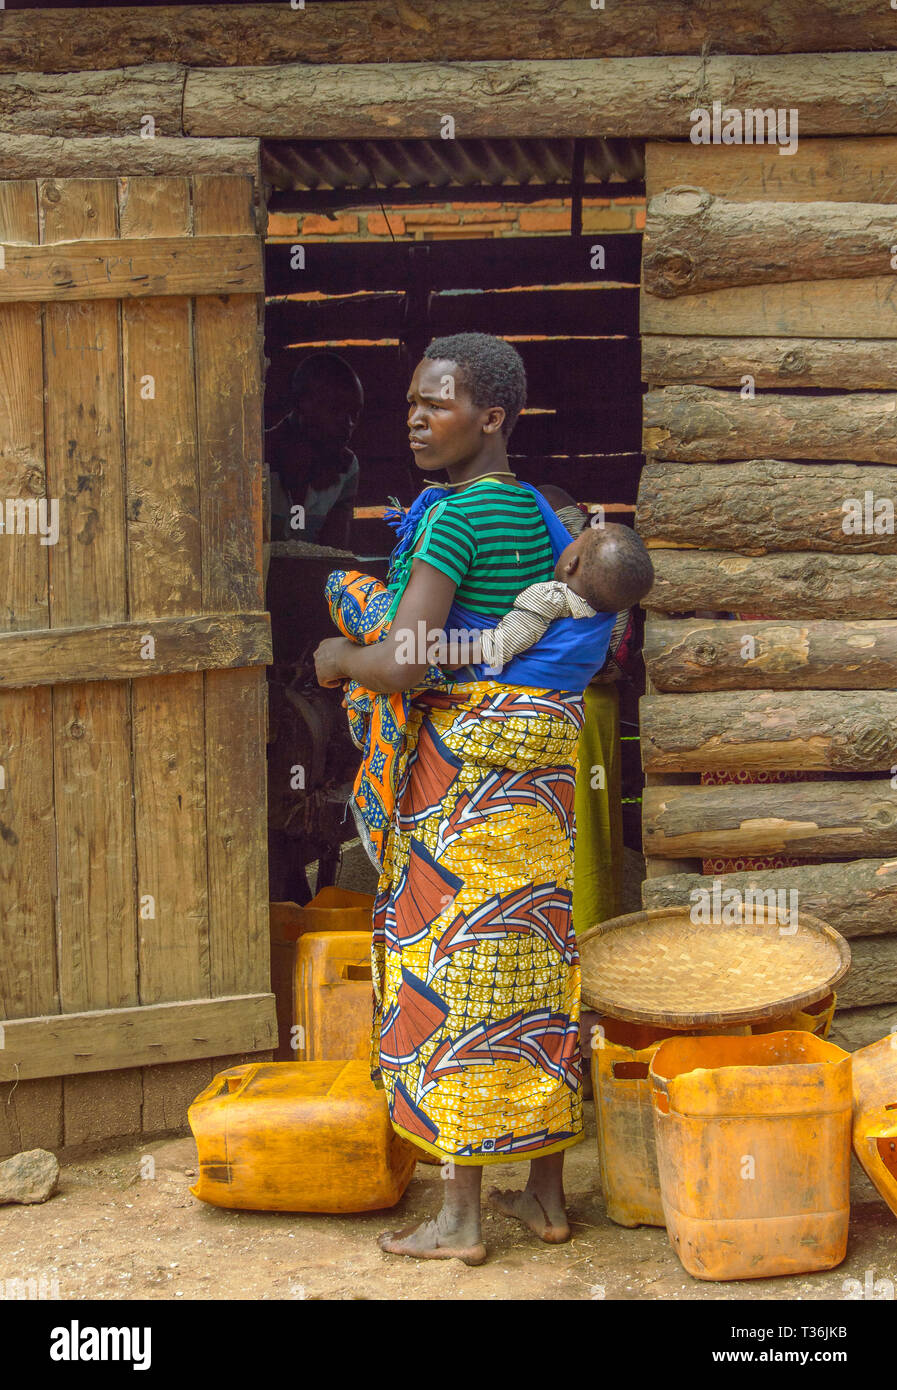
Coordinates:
[604,570]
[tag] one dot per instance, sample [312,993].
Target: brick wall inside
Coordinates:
[459,220]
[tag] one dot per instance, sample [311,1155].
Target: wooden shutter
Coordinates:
[133,856]
[769,325]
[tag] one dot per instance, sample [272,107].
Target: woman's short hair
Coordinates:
[493,371]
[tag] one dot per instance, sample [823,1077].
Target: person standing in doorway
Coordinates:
[476,969]
[314,473]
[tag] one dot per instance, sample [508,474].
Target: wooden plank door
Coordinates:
[133,859]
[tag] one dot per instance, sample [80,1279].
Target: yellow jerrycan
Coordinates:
[753,1152]
[298,1136]
[334,996]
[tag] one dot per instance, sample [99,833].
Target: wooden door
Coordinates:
[769,324]
[133,642]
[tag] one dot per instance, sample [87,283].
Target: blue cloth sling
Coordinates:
[566,656]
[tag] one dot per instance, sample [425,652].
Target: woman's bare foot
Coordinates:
[428,1242]
[545,1218]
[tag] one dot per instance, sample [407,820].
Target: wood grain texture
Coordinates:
[705,654]
[227,337]
[872,978]
[396,31]
[165,578]
[695,242]
[844,93]
[798,585]
[848,364]
[129,269]
[30,1113]
[859,170]
[801,309]
[113,102]
[96,907]
[111,156]
[117,649]
[697,423]
[856,1028]
[846,731]
[818,820]
[79,1043]
[769,505]
[857,899]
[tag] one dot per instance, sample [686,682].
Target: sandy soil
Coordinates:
[110,1233]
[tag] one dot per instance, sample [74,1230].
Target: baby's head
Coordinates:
[609,566]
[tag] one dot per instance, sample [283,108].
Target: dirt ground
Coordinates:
[111,1233]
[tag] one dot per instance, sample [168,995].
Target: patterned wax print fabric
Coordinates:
[358,605]
[476,969]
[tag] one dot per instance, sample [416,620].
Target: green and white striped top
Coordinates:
[491,539]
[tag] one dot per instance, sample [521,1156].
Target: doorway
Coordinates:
[374,248]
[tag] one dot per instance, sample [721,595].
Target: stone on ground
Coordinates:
[28,1177]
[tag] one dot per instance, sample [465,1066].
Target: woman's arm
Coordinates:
[400,660]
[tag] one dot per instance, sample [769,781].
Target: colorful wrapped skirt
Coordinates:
[476,971]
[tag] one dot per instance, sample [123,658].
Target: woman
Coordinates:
[476,967]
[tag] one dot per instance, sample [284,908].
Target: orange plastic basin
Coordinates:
[753,1152]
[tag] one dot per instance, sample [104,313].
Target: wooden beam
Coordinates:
[845,731]
[707,654]
[801,309]
[696,423]
[846,364]
[797,585]
[767,504]
[115,102]
[857,899]
[121,651]
[69,40]
[695,242]
[816,820]
[108,1039]
[843,93]
[852,170]
[41,157]
[130,269]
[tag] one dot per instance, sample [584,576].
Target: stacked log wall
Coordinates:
[769,323]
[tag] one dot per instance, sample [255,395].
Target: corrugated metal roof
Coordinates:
[328,165]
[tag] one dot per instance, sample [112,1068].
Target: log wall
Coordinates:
[769,335]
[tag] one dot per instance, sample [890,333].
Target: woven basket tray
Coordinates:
[659,967]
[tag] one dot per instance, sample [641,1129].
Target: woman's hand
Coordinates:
[330,661]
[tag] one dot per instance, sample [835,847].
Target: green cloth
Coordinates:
[491,539]
[598,852]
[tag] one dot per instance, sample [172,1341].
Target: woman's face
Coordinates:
[445,427]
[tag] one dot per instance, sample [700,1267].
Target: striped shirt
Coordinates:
[528,620]
[491,539]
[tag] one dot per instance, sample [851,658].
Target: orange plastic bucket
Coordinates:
[753,1152]
[621,1056]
